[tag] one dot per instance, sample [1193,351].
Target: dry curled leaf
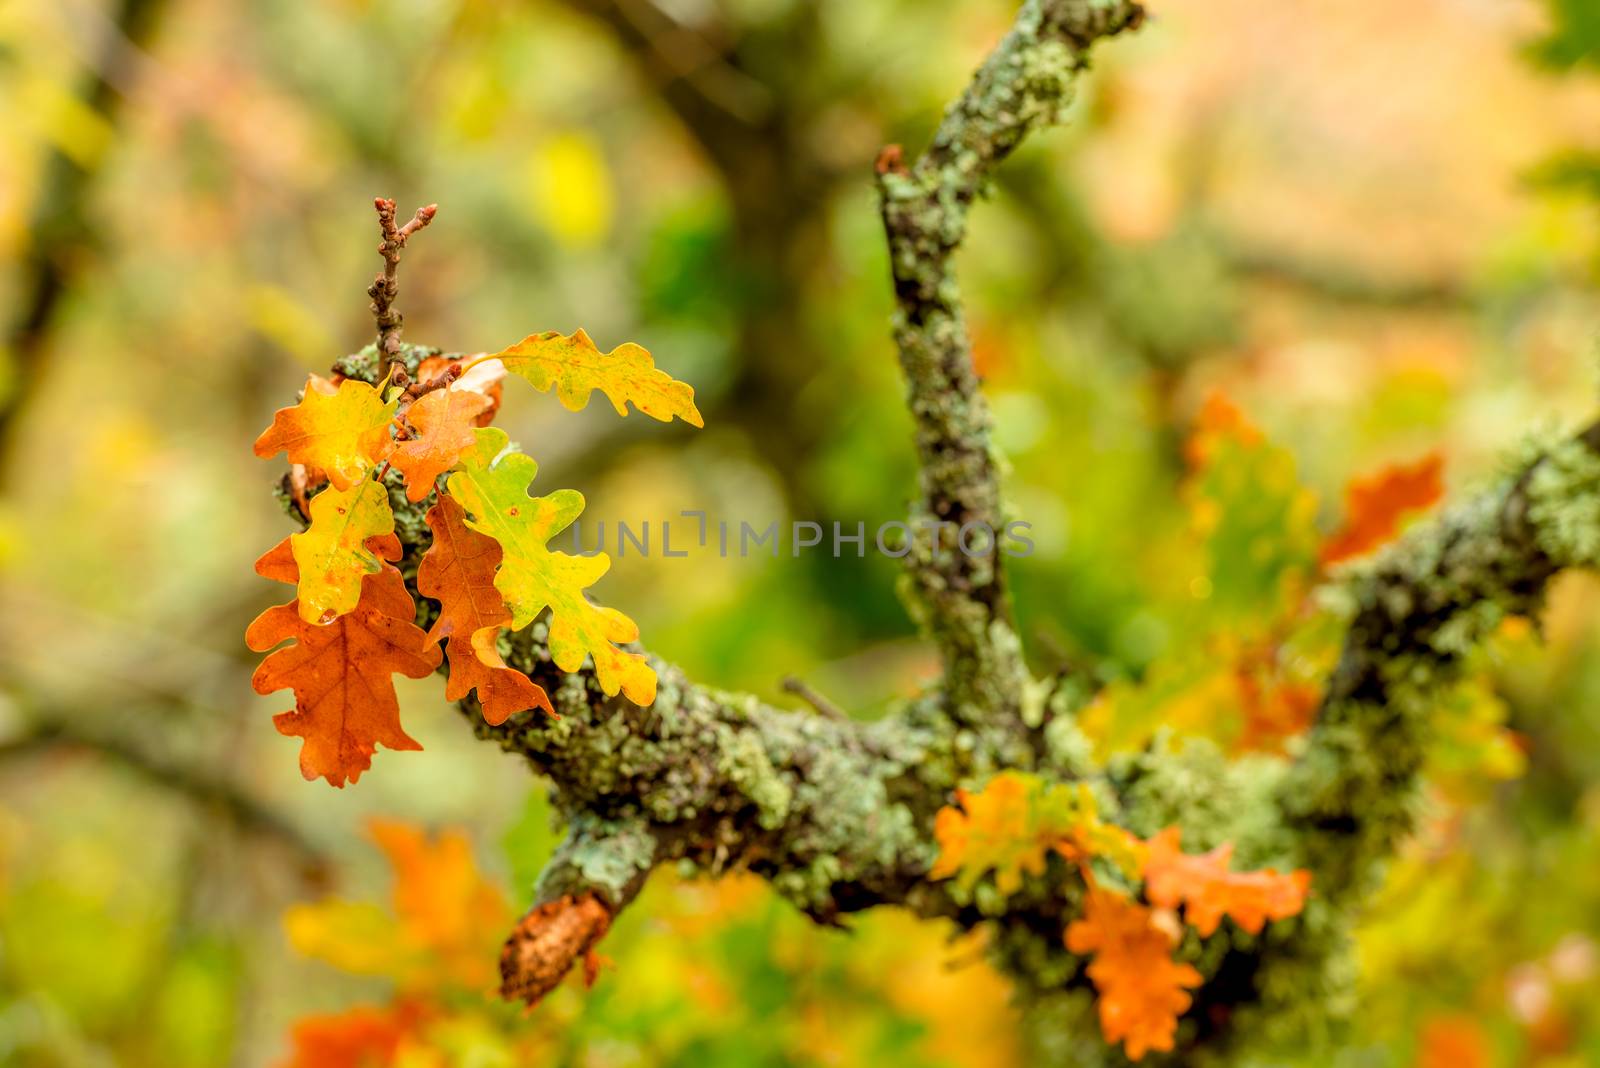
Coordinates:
[340,672]
[576,367]
[341,431]
[1208,891]
[547,942]
[1141,990]
[484,376]
[458,571]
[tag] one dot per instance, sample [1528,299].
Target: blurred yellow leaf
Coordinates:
[571,187]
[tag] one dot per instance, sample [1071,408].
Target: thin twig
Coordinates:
[384,288]
[825,707]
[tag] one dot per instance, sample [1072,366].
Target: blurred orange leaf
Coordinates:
[1207,890]
[359,1037]
[1453,1041]
[441,933]
[1374,506]
[1142,990]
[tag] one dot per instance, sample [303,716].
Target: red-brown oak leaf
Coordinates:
[442,422]
[1207,890]
[458,572]
[341,672]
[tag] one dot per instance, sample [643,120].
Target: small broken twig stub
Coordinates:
[547,942]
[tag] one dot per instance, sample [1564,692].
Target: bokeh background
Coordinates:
[1371,225]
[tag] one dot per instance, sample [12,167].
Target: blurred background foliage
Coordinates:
[1373,226]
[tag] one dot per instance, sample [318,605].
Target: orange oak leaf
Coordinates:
[443,422]
[444,903]
[1454,1041]
[1013,823]
[1142,990]
[341,431]
[1207,890]
[361,1037]
[1273,707]
[992,829]
[1219,418]
[458,571]
[340,672]
[1374,506]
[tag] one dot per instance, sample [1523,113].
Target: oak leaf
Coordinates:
[576,367]
[440,932]
[1014,822]
[1254,518]
[479,375]
[332,553]
[1375,506]
[341,431]
[360,1037]
[1141,990]
[340,672]
[494,490]
[1208,891]
[458,571]
[443,421]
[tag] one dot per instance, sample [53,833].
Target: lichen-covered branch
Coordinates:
[959,593]
[1415,614]
[838,815]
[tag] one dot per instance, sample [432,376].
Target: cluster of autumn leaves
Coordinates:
[1258,643]
[1008,830]
[438,937]
[353,622]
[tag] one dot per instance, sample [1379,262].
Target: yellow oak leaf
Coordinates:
[576,367]
[532,577]
[341,431]
[1011,825]
[332,553]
